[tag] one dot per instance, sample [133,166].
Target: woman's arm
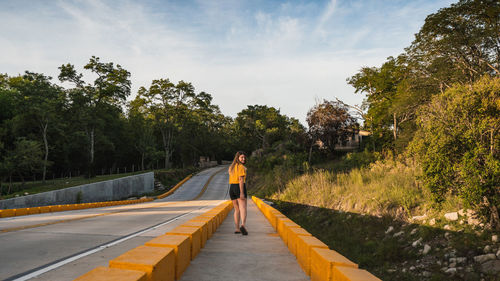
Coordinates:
[242,182]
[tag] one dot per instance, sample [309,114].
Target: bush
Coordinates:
[457,145]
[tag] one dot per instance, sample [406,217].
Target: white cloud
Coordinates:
[241,55]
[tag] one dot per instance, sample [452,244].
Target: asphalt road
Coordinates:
[65,245]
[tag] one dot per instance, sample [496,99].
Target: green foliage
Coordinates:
[457,44]
[260,126]
[458,142]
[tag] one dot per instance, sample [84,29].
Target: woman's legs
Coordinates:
[236,214]
[242,210]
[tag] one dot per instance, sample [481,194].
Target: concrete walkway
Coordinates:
[261,255]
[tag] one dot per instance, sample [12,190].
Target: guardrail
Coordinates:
[165,257]
[313,256]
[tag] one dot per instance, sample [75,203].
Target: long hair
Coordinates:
[236,160]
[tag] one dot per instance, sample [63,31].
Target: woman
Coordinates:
[238,191]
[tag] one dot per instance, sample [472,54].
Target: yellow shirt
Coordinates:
[238,171]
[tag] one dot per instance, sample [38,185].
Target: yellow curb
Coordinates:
[314,256]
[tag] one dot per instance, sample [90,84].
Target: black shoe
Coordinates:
[237,232]
[243,230]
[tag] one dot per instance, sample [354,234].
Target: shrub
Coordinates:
[457,145]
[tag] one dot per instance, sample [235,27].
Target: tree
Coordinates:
[92,101]
[26,158]
[459,43]
[260,124]
[331,123]
[37,99]
[142,132]
[457,143]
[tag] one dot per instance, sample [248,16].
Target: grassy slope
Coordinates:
[350,207]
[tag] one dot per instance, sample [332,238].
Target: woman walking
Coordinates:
[238,191]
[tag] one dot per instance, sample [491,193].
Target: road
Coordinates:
[65,245]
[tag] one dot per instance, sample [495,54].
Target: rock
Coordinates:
[471,213]
[426,274]
[494,238]
[417,242]
[473,221]
[453,264]
[461,212]
[461,222]
[413,231]
[26,193]
[144,197]
[426,250]
[17,195]
[412,268]
[447,227]
[471,276]
[391,228]
[458,260]
[432,221]
[390,270]
[453,253]
[484,258]
[498,253]
[491,267]
[419,218]
[487,249]
[403,270]
[397,234]
[132,198]
[451,270]
[451,216]
[447,235]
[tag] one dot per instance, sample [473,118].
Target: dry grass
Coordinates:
[385,187]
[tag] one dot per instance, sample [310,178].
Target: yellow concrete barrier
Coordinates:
[203,226]
[293,232]
[283,227]
[44,209]
[304,246]
[157,262]
[174,188]
[33,210]
[323,261]
[181,246]
[314,257]
[102,273]
[21,212]
[208,221]
[342,273]
[7,213]
[194,235]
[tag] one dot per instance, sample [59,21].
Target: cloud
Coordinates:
[242,52]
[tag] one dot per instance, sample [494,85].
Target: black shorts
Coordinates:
[234,190]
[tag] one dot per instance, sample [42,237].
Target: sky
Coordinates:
[286,54]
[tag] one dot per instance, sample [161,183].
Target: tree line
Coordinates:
[439,101]
[47,129]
